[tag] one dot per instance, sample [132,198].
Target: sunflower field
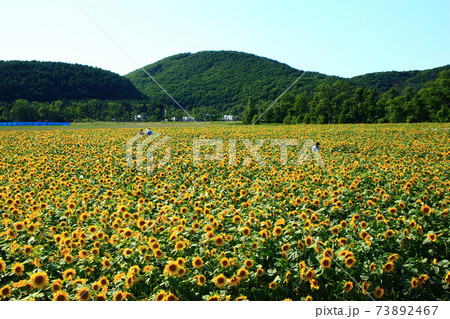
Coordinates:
[78,223]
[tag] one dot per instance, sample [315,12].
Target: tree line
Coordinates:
[343,102]
[72,110]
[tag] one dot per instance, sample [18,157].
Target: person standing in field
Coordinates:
[316,147]
[149,132]
[141,132]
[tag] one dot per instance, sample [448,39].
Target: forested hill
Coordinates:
[51,81]
[383,81]
[220,80]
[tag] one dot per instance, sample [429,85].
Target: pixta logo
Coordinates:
[303,155]
[306,153]
[145,141]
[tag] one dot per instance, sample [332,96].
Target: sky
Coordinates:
[311,35]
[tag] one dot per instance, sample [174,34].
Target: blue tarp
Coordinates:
[32,123]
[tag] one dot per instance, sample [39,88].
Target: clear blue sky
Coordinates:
[393,35]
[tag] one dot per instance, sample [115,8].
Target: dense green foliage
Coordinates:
[53,91]
[213,83]
[384,81]
[73,110]
[219,81]
[341,102]
[51,81]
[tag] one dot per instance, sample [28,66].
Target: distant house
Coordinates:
[173,119]
[229,117]
[186,119]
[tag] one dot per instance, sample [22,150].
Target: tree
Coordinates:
[434,98]
[250,112]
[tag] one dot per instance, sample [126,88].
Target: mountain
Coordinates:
[219,80]
[51,81]
[223,81]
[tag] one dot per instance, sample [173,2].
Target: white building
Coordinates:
[229,117]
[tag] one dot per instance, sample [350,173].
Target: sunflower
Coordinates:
[242,273]
[314,284]
[350,261]
[60,296]
[96,286]
[56,285]
[181,272]
[197,262]
[225,262]
[414,282]
[273,285]
[379,292]
[248,263]
[27,249]
[241,298]
[308,241]
[234,281]
[180,245]
[447,278]
[335,230]
[220,281]
[83,294]
[160,296]
[68,258]
[106,263]
[5,291]
[365,286]
[127,233]
[310,273]
[392,210]
[2,265]
[218,240]
[389,233]
[170,297]
[388,267]
[432,237]
[423,278]
[39,279]
[328,253]
[126,252]
[69,274]
[277,231]
[200,280]
[214,298]
[285,247]
[19,226]
[308,298]
[100,297]
[158,253]
[288,276]
[325,263]
[83,254]
[245,231]
[119,296]
[426,209]
[259,272]
[343,241]
[103,281]
[393,257]
[372,267]
[171,269]
[18,269]
[348,286]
